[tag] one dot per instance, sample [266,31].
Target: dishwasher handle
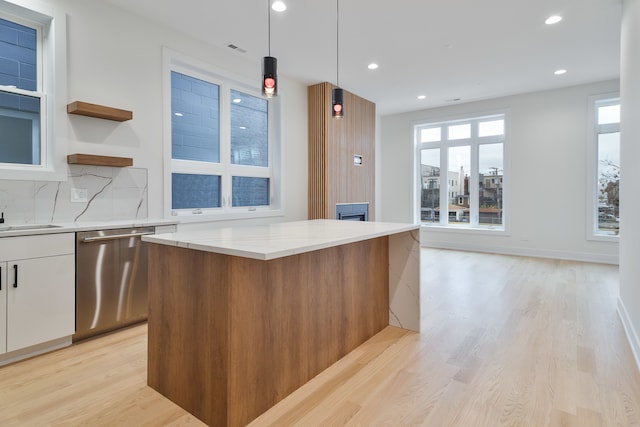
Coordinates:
[114,237]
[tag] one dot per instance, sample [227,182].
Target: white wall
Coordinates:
[546,207]
[629,302]
[115,59]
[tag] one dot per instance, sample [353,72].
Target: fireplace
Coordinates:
[352,211]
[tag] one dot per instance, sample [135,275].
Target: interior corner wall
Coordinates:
[545,206]
[629,298]
[123,69]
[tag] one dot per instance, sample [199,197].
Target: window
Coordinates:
[461,167]
[222,149]
[604,174]
[29,78]
[19,97]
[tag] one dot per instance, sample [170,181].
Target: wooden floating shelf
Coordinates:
[99,111]
[93,160]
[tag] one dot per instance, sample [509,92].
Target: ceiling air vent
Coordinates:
[236,48]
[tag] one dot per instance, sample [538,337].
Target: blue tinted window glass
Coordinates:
[18,56]
[249,130]
[195,119]
[249,191]
[190,191]
[19,129]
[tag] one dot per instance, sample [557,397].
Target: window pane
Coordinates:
[431,134]
[19,129]
[248,191]
[430,193]
[195,119]
[249,130]
[491,128]
[459,131]
[189,191]
[490,162]
[18,56]
[458,184]
[609,114]
[608,183]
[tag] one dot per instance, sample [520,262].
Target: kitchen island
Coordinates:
[241,317]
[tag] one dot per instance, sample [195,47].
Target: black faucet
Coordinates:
[2,218]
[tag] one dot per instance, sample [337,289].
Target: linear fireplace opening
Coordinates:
[352,211]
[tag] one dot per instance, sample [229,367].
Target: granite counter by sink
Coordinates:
[13,230]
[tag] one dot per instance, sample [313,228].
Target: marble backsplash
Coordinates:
[111,194]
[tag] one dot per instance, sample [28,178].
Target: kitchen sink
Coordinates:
[27,227]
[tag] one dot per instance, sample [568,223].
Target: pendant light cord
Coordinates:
[337,42]
[269,20]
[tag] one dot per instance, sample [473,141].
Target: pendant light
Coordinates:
[337,98]
[269,67]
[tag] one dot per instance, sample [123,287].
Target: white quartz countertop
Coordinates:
[13,230]
[278,240]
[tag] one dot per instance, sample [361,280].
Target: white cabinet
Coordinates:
[37,301]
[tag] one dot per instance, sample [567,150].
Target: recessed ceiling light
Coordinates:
[178,114]
[372,66]
[560,72]
[422,96]
[279,6]
[237,100]
[243,127]
[554,19]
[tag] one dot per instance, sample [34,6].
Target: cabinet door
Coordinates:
[3,307]
[41,307]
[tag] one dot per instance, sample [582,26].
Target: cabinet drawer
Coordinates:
[12,248]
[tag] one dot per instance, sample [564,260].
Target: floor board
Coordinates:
[506,341]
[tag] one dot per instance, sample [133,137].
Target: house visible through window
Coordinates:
[21,97]
[222,150]
[606,206]
[461,167]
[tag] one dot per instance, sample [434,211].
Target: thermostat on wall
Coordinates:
[357,160]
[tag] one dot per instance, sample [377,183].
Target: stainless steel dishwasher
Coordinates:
[111,280]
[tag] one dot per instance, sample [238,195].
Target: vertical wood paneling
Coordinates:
[333,178]
[318,152]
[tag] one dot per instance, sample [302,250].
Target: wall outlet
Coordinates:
[79,195]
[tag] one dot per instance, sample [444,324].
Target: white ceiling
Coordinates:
[446,49]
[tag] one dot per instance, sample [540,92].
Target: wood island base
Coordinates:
[230,336]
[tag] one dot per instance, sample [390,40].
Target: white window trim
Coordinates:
[51,25]
[592,169]
[175,61]
[473,227]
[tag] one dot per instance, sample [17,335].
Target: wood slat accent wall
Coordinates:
[333,178]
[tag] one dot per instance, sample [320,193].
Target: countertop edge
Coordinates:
[185,240]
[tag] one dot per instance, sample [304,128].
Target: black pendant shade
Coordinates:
[269,76]
[337,110]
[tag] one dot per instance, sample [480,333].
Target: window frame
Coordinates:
[594,129]
[174,61]
[474,142]
[50,25]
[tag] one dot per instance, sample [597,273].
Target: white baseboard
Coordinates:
[34,350]
[537,253]
[632,336]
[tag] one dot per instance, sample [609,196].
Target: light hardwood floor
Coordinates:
[507,341]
